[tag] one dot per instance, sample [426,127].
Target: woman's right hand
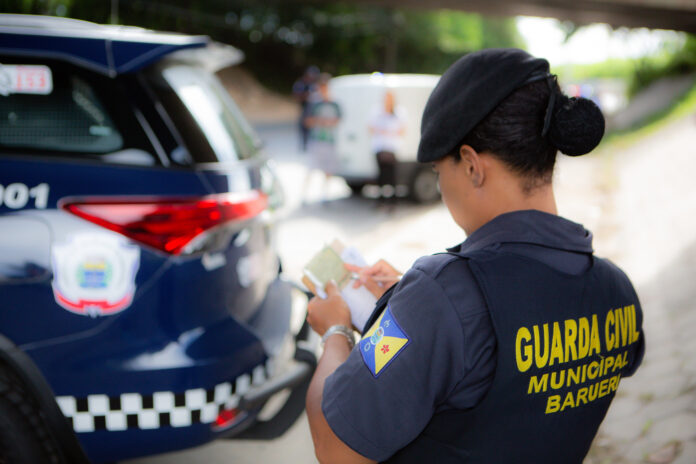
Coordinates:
[376,278]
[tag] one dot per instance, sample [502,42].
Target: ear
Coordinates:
[473,165]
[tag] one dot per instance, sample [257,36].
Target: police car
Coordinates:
[141,304]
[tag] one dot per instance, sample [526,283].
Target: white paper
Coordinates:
[360,301]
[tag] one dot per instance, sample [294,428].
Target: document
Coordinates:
[327,265]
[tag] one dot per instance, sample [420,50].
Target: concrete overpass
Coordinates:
[657,14]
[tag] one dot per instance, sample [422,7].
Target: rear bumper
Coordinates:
[141,410]
[300,370]
[298,380]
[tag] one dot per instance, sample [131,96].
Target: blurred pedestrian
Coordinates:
[387,128]
[303,89]
[322,118]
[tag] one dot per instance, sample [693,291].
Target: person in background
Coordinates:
[509,347]
[322,118]
[303,90]
[387,128]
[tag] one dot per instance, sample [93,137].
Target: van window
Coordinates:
[79,114]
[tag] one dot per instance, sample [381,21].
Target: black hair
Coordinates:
[514,131]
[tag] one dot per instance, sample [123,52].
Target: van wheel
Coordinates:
[24,437]
[423,187]
[356,187]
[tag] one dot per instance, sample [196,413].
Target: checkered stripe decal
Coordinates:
[159,409]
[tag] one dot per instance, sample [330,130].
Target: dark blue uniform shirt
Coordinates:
[449,358]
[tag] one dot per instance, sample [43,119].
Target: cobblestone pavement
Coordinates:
[647,224]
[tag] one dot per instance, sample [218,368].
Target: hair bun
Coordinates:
[577,126]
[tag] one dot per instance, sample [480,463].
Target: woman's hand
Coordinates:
[332,310]
[376,278]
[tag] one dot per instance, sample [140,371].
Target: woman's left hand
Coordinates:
[322,313]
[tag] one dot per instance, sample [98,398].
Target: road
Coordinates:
[641,204]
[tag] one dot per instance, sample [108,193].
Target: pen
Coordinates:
[355,276]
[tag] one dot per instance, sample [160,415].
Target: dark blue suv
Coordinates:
[141,304]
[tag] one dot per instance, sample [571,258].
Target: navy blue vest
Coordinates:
[563,343]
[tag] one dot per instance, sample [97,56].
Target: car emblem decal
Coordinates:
[94,274]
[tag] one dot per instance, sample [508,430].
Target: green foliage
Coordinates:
[681,61]
[637,72]
[281,38]
[621,68]
[455,32]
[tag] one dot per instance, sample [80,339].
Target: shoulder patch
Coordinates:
[382,343]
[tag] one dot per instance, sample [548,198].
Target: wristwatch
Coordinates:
[339,329]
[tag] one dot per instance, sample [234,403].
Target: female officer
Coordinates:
[509,347]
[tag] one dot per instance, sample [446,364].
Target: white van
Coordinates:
[360,96]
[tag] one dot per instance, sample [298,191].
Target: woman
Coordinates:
[508,348]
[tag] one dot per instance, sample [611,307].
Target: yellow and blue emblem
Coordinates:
[380,345]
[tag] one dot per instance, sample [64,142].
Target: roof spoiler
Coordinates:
[107,49]
[214,57]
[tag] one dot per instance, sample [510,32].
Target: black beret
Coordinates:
[470,89]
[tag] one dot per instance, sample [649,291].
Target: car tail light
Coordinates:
[168,224]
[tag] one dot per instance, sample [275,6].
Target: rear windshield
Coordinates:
[53,108]
[204,113]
